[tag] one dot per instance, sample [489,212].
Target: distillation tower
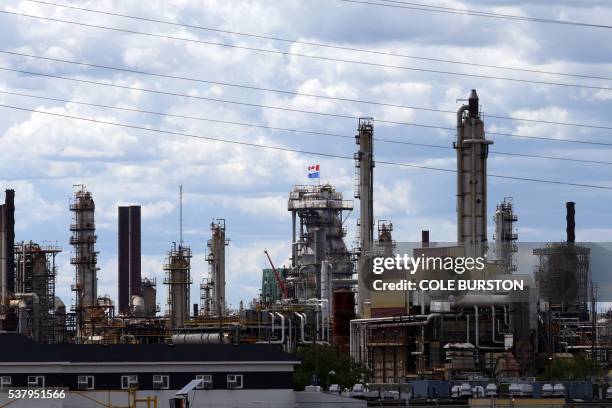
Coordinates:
[216,261]
[364,191]
[505,234]
[84,256]
[178,279]
[472,152]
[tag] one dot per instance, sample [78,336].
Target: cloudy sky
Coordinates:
[43,156]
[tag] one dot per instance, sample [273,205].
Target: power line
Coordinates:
[173,115]
[315,44]
[316,57]
[286,92]
[335,115]
[286,149]
[450,10]
[382,140]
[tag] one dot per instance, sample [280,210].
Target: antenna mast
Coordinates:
[181,215]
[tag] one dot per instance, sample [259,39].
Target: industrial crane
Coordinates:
[279,281]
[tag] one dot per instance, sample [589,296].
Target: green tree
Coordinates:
[343,371]
[570,369]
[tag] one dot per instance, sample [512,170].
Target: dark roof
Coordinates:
[17,348]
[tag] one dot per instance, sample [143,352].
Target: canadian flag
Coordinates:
[313,171]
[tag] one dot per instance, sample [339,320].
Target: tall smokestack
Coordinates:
[473,104]
[135,273]
[123,267]
[129,267]
[425,238]
[571,221]
[9,208]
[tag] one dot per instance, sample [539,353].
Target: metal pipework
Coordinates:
[493,331]
[302,317]
[272,318]
[383,321]
[482,300]
[358,328]
[476,334]
[200,338]
[506,322]
[282,317]
[316,326]
[289,336]
[323,334]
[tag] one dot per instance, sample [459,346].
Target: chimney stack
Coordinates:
[129,267]
[9,219]
[473,104]
[571,221]
[425,239]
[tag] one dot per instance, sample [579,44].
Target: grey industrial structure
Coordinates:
[324,296]
[178,279]
[472,153]
[364,191]
[84,258]
[216,261]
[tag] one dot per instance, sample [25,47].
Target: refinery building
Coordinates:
[426,343]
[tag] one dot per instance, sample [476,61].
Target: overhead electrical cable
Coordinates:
[305,131]
[336,115]
[316,57]
[450,10]
[316,44]
[291,150]
[288,92]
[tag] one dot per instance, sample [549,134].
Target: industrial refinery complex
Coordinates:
[414,345]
